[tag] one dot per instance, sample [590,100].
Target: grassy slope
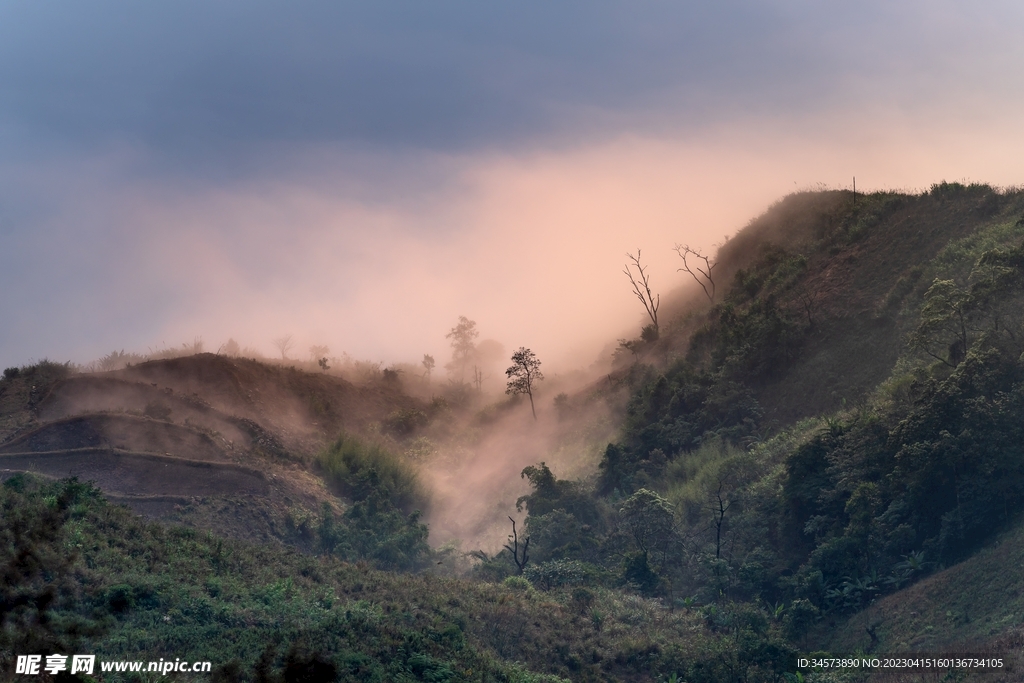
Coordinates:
[864,263]
[978,603]
[136,589]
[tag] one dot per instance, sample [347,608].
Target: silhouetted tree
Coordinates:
[284,345]
[719,506]
[230,348]
[692,266]
[428,364]
[524,373]
[463,343]
[520,558]
[642,290]
[318,351]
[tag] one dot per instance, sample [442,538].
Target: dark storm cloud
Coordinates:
[211,78]
[231,84]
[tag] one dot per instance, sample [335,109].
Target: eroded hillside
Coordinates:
[224,443]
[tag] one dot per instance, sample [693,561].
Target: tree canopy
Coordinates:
[523,375]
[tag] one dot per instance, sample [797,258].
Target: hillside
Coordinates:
[216,442]
[974,606]
[849,277]
[825,457]
[853,402]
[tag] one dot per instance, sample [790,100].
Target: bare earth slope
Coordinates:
[205,440]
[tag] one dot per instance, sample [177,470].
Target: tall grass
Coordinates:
[692,478]
[353,467]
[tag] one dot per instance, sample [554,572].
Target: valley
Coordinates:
[823,457]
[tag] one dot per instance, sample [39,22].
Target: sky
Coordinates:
[360,174]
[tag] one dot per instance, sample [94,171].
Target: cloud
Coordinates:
[360,174]
[531,246]
[228,86]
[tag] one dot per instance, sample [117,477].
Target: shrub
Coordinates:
[120,598]
[637,574]
[799,618]
[517,583]
[404,422]
[556,573]
[348,462]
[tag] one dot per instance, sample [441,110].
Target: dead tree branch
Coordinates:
[721,506]
[642,289]
[513,548]
[701,275]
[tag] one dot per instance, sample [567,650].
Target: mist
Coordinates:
[359,177]
[253,182]
[530,246]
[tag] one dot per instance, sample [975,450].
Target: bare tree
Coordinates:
[719,506]
[692,259]
[642,289]
[523,375]
[284,345]
[513,547]
[809,302]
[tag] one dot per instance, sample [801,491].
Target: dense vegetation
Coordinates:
[742,511]
[82,575]
[696,503]
[382,524]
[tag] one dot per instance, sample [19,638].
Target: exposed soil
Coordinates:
[123,432]
[88,394]
[207,441]
[140,473]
